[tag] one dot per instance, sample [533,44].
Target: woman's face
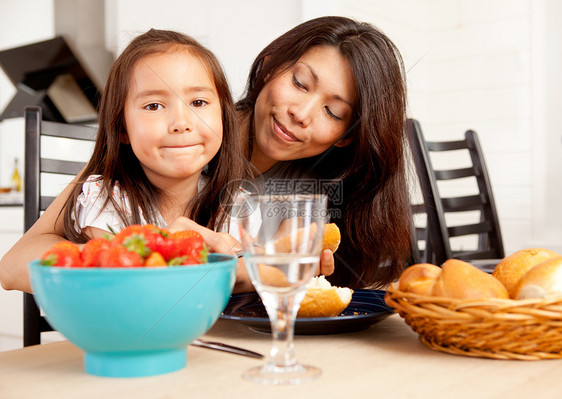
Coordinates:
[304,110]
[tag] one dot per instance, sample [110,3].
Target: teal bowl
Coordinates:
[134,322]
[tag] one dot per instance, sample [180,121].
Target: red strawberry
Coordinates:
[166,246]
[92,250]
[191,246]
[146,239]
[187,234]
[126,232]
[185,260]
[137,238]
[151,229]
[119,256]
[137,243]
[158,240]
[64,254]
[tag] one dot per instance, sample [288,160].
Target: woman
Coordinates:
[325,103]
[328,100]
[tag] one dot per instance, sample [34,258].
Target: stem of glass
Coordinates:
[282,318]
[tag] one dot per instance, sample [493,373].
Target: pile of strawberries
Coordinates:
[135,245]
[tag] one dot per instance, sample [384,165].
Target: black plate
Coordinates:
[366,308]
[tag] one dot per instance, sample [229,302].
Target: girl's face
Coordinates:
[173,116]
[305,110]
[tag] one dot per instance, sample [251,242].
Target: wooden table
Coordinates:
[385,361]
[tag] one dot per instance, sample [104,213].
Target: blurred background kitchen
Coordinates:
[492,66]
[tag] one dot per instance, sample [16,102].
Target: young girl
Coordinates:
[166,148]
[166,113]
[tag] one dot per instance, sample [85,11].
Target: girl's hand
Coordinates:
[218,242]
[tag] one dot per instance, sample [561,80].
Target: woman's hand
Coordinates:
[326,266]
[243,281]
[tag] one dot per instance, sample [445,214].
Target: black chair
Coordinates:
[428,232]
[35,200]
[438,231]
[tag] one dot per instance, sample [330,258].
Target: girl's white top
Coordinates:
[90,210]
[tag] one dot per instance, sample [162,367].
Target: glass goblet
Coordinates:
[282,240]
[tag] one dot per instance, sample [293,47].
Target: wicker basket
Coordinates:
[496,328]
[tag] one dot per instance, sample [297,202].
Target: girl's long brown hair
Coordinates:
[116,162]
[373,210]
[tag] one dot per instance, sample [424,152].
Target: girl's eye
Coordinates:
[199,103]
[153,107]
[298,83]
[332,115]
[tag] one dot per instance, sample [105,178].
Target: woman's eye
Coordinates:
[298,83]
[153,107]
[332,115]
[199,103]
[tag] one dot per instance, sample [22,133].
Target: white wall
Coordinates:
[234,30]
[546,141]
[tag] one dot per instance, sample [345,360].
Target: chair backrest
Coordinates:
[35,200]
[439,231]
[433,231]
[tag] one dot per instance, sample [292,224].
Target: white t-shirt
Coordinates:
[91,200]
[90,203]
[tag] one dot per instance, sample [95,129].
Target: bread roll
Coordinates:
[419,278]
[330,240]
[332,237]
[299,242]
[542,281]
[459,279]
[514,266]
[272,276]
[324,300]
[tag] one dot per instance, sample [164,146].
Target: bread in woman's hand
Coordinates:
[272,276]
[459,279]
[419,278]
[514,266]
[288,243]
[296,242]
[332,237]
[324,300]
[542,281]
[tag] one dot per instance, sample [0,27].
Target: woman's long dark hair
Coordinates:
[372,208]
[116,162]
